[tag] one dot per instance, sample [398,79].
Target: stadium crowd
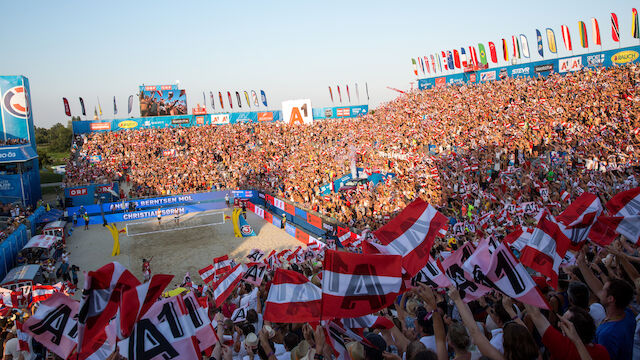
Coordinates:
[470,151]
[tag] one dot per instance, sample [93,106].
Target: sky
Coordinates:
[289,49]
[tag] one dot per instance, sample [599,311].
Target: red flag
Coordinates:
[224,286]
[601,233]
[67,109]
[53,324]
[207,274]
[519,237]
[566,37]
[138,300]
[576,220]
[100,301]
[627,226]
[221,102]
[456,58]
[358,284]
[615,29]
[625,203]
[23,338]
[426,62]
[545,250]
[331,94]
[444,60]
[411,234]
[595,31]
[493,53]
[222,264]
[292,299]
[230,100]
[349,95]
[339,94]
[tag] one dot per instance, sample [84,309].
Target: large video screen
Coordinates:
[158,100]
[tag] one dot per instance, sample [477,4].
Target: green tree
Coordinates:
[60,138]
[42,136]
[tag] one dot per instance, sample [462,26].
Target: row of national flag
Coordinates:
[96,110]
[253,99]
[366,87]
[517,48]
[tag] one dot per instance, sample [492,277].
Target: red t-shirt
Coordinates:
[562,348]
[228,309]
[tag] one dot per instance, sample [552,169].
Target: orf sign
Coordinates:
[78,191]
[297,111]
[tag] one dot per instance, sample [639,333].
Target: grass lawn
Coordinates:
[57,158]
[47,176]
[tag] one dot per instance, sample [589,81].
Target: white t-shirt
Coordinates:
[12,347]
[429,342]
[250,300]
[597,312]
[496,339]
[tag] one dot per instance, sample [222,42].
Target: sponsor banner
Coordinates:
[199,120]
[297,111]
[594,60]
[441,81]
[623,57]
[487,76]
[180,121]
[265,116]
[570,64]
[17,153]
[220,119]
[15,109]
[148,203]
[521,71]
[151,213]
[95,159]
[98,126]
[543,68]
[343,112]
[503,73]
[244,194]
[127,124]
[88,194]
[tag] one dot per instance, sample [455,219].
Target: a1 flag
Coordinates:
[461,279]
[411,234]
[358,284]
[137,301]
[53,324]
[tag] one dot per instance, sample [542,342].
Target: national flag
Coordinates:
[524,44]
[223,287]
[493,53]
[263,96]
[546,249]
[230,100]
[99,107]
[584,38]
[130,104]
[519,237]
[246,97]
[204,100]
[339,93]
[582,212]
[220,98]
[627,226]
[450,60]
[238,99]
[213,102]
[595,32]
[42,292]
[334,336]
[516,47]
[439,62]
[82,107]
[566,37]
[115,108]
[473,55]
[18,298]
[483,54]
[53,324]
[444,61]
[421,65]
[292,299]
[539,41]
[426,63]
[463,58]
[461,279]
[456,59]
[634,24]
[331,94]
[433,63]
[207,273]
[411,234]
[626,203]
[348,94]
[505,50]
[366,87]
[254,97]
[415,67]
[358,284]
[615,29]
[565,196]
[551,41]
[137,301]
[67,109]
[222,264]
[358,93]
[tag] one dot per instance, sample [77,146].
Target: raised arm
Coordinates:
[429,298]
[589,277]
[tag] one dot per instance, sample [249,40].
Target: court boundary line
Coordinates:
[151,220]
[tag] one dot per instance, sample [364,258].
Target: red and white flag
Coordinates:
[100,301]
[370,322]
[411,234]
[582,212]
[292,298]
[42,292]
[345,236]
[565,196]
[23,338]
[358,284]
[626,203]
[207,273]
[223,287]
[167,331]
[53,324]
[19,298]
[627,226]
[221,264]
[546,248]
[601,233]
[519,237]
[137,301]
[463,280]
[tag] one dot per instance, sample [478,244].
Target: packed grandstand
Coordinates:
[504,225]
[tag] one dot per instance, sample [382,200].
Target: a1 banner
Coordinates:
[54,325]
[297,111]
[255,273]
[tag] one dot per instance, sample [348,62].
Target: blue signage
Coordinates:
[151,213]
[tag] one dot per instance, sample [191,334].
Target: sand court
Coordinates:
[174,250]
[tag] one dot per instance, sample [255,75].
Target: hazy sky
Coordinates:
[291,49]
